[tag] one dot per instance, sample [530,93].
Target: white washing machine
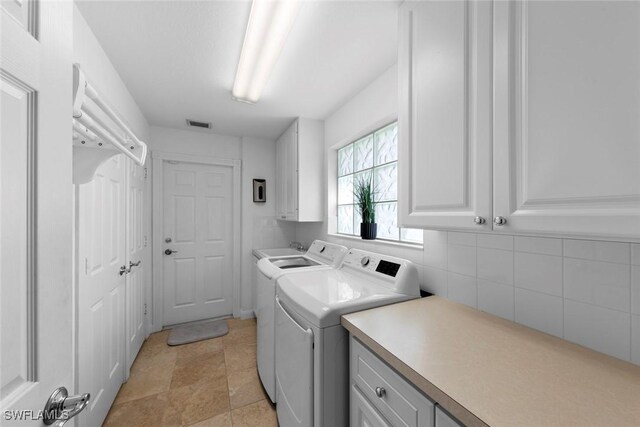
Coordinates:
[312,348]
[321,255]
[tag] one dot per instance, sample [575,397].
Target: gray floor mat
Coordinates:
[197,331]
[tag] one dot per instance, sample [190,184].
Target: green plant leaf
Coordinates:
[364,194]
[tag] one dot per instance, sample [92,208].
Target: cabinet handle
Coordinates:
[479,220]
[380,391]
[500,220]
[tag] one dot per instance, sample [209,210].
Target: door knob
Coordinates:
[124,270]
[479,220]
[61,407]
[134,264]
[380,391]
[500,220]
[169,252]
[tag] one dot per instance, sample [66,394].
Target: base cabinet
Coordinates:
[381,397]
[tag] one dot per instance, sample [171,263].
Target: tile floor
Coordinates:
[210,383]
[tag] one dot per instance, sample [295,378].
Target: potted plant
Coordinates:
[364,193]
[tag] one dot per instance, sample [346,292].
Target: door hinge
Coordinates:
[144,241]
[145,309]
[86,266]
[145,173]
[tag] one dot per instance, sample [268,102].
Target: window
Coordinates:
[374,156]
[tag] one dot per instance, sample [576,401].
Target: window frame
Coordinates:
[371,170]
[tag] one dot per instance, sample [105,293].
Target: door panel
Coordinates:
[16,230]
[101,287]
[135,280]
[444,130]
[567,138]
[198,219]
[36,219]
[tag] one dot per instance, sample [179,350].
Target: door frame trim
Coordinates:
[157,285]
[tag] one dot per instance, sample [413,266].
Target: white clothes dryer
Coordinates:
[312,348]
[321,255]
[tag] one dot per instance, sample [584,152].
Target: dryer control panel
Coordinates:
[392,272]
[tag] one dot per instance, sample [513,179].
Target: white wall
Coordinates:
[260,229]
[258,224]
[99,70]
[584,291]
[197,143]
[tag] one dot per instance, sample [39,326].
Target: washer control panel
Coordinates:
[325,252]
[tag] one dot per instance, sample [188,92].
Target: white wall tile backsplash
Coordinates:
[495,265]
[597,251]
[635,339]
[462,289]
[599,283]
[537,272]
[635,289]
[601,329]
[538,245]
[635,254]
[539,311]
[584,291]
[461,259]
[496,298]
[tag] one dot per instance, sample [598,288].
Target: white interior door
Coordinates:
[101,287]
[198,228]
[135,280]
[36,215]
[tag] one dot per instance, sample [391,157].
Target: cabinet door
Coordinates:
[445,114]
[291,170]
[566,109]
[444,420]
[281,184]
[363,414]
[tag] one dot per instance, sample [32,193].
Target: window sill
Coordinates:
[407,245]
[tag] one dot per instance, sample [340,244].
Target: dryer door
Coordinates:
[294,370]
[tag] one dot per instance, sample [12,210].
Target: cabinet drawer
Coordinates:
[363,414]
[392,395]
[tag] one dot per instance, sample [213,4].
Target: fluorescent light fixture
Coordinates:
[269,24]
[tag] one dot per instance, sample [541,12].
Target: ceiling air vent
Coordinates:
[196,124]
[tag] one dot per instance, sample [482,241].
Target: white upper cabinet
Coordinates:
[445,115]
[528,111]
[567,117]
[299,189]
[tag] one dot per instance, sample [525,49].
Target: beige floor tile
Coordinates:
[241,323]
[258,414]
[194,403]
[207,366]
[142,383]
[239,336]
[239,357]
[198,348]
[245,387]
[222,420]
[145,412]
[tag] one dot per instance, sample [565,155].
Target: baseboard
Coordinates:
[247,314]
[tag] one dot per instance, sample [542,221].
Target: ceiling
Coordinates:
[179,58]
